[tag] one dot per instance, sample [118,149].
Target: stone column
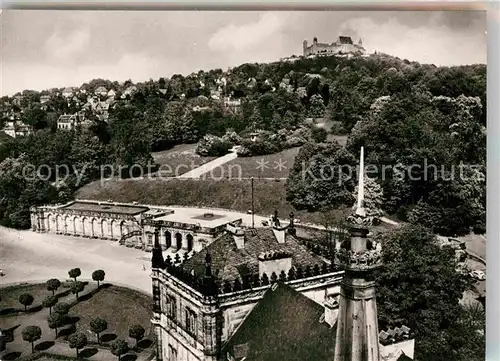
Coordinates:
[184,243]
[163,240]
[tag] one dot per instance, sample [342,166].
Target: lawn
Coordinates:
[267,166]
[179,160]
[120,307]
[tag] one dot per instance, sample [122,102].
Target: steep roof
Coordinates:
[284,325]
[228,260]
[345,39]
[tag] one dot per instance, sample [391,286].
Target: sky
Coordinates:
[44,49]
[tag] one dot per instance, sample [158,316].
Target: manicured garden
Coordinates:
[75,318]
[275,165]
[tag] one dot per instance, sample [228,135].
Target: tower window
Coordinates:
[171,307]
[190,321]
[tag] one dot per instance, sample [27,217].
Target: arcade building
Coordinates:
[180,231]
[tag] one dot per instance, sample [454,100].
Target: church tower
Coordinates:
[357,336]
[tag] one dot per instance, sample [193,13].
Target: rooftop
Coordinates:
[230,262]
[197,217]
[105,207]
[345,40]
[286,316]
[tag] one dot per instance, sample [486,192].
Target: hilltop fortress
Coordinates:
[343,45]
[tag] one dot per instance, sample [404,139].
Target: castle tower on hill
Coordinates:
[357,337]
[344,45]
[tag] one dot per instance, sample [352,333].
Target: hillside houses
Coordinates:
[68,92]
[102,91]
[44,99]
[129,92]
[71,121]
[17,129]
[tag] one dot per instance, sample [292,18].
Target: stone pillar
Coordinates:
[163,240]
[184,243]
[212,329]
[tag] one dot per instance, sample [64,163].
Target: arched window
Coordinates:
[168,239]
[178,240]
[189,238]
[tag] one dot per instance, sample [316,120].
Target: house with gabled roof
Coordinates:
[71,121]
[101,91]
[44,99]
[67,92]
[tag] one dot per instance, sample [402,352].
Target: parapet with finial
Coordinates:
[358,261]
[271,255]
[394,335]
[395,342]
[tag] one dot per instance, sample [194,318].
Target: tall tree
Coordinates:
[32,334]
[419,285]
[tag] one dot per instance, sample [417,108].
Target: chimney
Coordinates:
[239,238]
[238,235]
[279,233]
[331,309]
[396,341]
[278,230]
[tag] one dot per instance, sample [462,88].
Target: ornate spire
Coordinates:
[359,217]
[360,209]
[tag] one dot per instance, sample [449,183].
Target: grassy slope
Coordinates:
[236,195]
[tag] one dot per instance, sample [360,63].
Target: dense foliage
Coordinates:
[401,111]
[425,143]
[419,286]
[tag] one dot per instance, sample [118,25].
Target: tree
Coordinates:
[21,187]
[98,325]
[49,302]
[98,275]
[317,107]
[53,284]
[55,321]
[77,287]
[61,308]
[32,334]
[321,177]
[77,341]
[136,332]
[26,300]
[74,273]
[119,347]
[318,134]
[419,285]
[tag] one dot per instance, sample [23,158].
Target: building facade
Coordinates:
[200,302]
[17,129]
[70,121]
